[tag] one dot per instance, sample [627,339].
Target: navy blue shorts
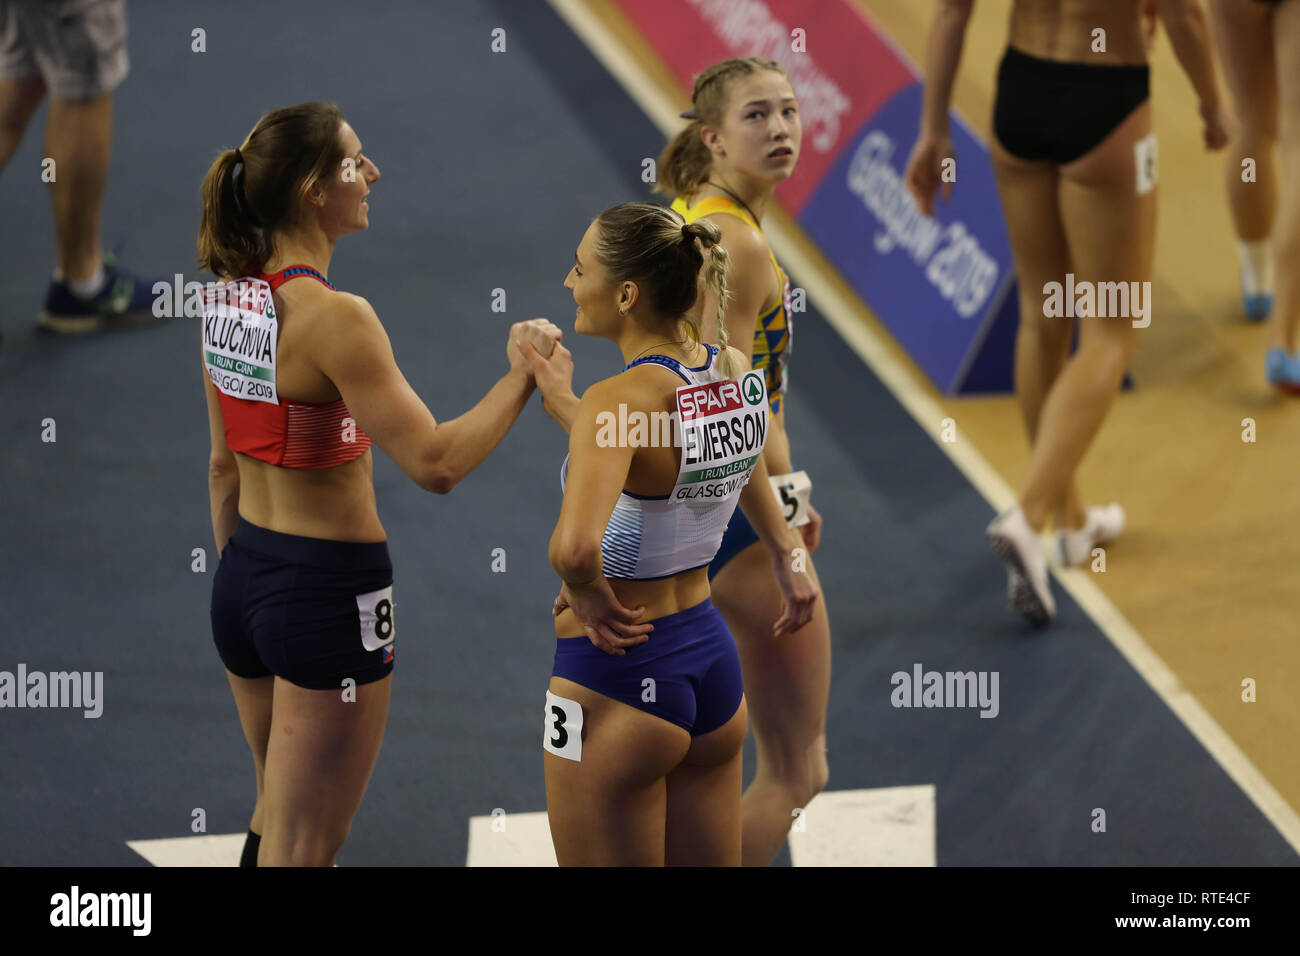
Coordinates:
[690,657]
[740,534]
[309,610]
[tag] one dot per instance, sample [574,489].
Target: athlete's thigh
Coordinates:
[608,806]
[1028,192]
[1108,203]
[1243,34]
[253,700]
[1286,37]
[322,749]
[787,678]
[704,795]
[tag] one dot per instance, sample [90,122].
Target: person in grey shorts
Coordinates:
[75,50]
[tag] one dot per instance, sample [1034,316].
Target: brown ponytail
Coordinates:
[251,192]
[228,239]
[685,161]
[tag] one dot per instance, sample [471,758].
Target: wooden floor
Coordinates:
[1208,571]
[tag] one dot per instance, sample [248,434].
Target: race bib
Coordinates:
[375,610]
[1144,156]
[562,728]
[239,337]
[723,430]
[793,491]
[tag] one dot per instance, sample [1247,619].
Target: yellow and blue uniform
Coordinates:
[771,348]
[771,352]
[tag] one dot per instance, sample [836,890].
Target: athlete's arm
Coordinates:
[759,503]
[223,472]
[555,381]
[785,546]
[934,144]
[597,473]
[749,278]
[354,352]
[1189,34]
[760,506]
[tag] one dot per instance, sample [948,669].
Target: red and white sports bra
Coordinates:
[240,334]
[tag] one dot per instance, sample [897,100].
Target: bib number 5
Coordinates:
[793,491]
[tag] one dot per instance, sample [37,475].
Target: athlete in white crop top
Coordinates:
[645,713]
[657,536]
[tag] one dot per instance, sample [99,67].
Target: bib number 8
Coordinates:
[375,613]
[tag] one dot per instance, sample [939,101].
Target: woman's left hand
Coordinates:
[609,625]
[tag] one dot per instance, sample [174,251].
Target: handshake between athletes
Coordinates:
[534,347]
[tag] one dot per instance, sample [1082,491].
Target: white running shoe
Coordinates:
[1103,526]
[1029,590]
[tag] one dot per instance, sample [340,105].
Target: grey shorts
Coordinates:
[77,46]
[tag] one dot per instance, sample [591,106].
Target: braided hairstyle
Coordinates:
[654,247]
[685,161]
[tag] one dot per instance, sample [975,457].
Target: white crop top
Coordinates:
[721,427]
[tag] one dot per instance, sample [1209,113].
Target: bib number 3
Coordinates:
[375,611]
[793,491]
[562,728]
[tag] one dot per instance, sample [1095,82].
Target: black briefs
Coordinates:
[1047,110]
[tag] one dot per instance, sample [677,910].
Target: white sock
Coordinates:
[1013,524]
[1078,545]
[1256,256]
[86,288]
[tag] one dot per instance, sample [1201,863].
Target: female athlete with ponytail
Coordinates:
[300,380]
[742,142]
[645,715]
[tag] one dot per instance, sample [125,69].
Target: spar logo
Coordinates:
[711,399]
[752,387]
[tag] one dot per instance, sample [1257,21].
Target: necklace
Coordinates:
[735,197]
[655,346]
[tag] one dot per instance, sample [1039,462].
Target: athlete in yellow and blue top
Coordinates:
[742,143]
[772,332]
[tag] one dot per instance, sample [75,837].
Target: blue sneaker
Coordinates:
[1257,307]
[123,296]
[1283,370]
